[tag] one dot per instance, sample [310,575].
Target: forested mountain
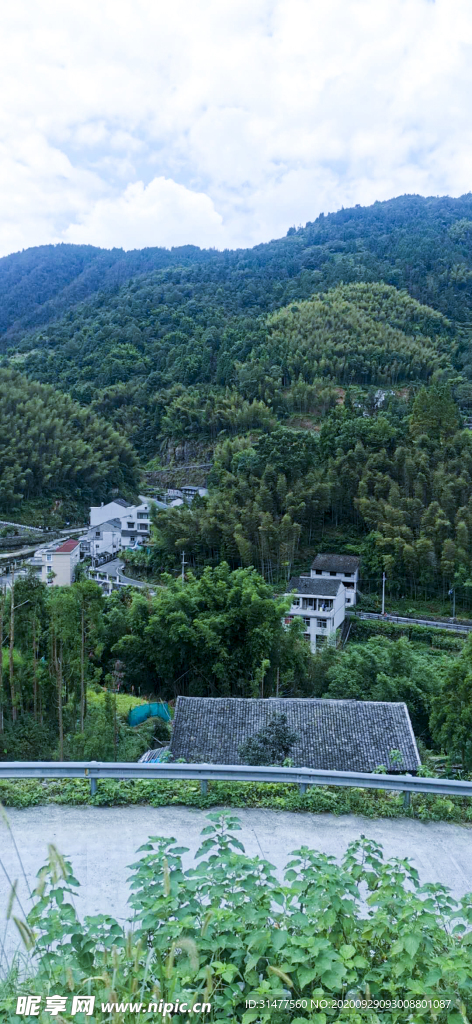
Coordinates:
[422,245]
[314,345]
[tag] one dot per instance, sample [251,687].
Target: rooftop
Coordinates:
[67,547]
[314,587]
[336,563]
[114,523]
[341,735]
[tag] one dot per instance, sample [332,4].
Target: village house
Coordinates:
[339,735]
[112,510]
[321,604]
[58,564]
[340,567]
[101,542]
[134,521]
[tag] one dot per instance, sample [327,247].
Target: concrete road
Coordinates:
[102,841]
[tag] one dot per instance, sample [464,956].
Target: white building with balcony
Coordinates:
[136,525]
[321,604]
[102,542]
[338,567]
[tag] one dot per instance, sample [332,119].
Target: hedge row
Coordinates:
[277,796]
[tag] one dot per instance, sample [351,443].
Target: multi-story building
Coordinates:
[136,524]
[58,564]
[340,567]
[101,542]
[321,604]
[134,521]
[112,510]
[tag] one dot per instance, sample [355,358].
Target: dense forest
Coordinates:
[327,377]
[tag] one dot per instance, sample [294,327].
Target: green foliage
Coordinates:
[451,721]
[271,745]
[227,932]
[368,334]
[219,635]
[317,799]
[387,670]
[52,446]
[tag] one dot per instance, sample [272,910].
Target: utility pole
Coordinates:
[452,593]
[184,563]
[383,593]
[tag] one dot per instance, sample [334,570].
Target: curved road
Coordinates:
[102,841]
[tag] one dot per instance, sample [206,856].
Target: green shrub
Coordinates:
[229,934]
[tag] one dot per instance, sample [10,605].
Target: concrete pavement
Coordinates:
[102,841]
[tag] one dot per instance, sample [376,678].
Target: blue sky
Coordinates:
[223,122]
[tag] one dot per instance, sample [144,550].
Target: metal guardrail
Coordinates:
[455,627]
[205,773]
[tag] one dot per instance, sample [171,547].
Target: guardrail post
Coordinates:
[204,787]
[93,787]
[406,798]
[302,788]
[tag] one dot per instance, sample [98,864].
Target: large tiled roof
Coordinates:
[336,563]
[344,735]
[122,502]
[314,587]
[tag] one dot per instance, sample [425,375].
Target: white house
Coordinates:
[321,604]
[340,567]
[112,510]
[58,564]
[136,524]
[102,542]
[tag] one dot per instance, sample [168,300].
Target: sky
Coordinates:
[222,123]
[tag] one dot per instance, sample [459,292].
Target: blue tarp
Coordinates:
[143,711]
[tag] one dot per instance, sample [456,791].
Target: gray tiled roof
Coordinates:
[336,563]
[123,503]
[315,587]
[114,523]
[344,735]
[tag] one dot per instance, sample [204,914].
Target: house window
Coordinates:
[308,602]
[288,619]
[318,572]
[143,515]
[130,526]
[296,602]
[332,573]
[97,533]
[348,574]
[306,621]
[321,623]
[49,557]
[306,636]
[142,526]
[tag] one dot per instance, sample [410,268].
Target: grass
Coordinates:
[277,796]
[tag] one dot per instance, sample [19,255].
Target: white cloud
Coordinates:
[163,213]
[138,122]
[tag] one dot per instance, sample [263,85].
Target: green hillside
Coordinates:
[50,446]
[423,245]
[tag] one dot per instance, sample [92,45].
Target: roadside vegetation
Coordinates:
[228,933]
